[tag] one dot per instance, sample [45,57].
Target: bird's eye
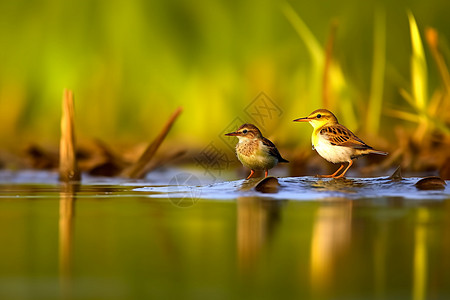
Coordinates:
[319,116]
[244,131]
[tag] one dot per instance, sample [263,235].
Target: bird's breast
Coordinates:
[247,148]
[253,154]
[333,153]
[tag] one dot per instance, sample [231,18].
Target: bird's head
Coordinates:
[246,131]
[319,118]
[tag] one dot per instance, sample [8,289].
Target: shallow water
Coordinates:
[315,239]
[302,189]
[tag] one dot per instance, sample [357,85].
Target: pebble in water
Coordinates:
[268,185]
[430,183]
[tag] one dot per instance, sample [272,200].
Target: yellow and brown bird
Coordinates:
[255,151]
[335,142]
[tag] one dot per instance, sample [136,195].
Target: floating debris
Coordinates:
[268,185]
[431,183]
[39,158]
[98,159]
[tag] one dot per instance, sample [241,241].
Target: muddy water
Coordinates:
[313,239]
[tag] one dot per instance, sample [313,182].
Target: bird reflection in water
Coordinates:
[257,221]
[331,235]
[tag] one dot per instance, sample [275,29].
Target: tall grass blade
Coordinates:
[326,80]
[418,79]
[411,117]
[418,65]
[337,84]
[378,69]
[432,38]
[440,102]
[314,48]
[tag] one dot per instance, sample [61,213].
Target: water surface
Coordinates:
[314,239]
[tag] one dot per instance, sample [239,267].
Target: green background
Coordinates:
[131,63]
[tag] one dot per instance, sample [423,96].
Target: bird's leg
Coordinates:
[332,175]
[350,163]
[251,174]
[267,173]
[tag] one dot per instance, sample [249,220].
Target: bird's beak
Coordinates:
[235,133]
[302,120]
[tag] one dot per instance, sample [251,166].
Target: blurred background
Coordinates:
[381,66]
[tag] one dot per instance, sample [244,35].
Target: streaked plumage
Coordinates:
[335,142]
[255,151]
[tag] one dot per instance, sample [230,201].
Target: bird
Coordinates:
[255,151]
[334,142]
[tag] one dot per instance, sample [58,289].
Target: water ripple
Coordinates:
[307,188]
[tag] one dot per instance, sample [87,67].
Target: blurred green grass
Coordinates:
[130,64]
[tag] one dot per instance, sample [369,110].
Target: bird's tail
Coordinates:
[282,160]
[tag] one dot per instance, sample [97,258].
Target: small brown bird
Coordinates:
[255,151]
[335,142]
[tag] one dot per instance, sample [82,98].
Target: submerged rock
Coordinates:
[268,185]
[431,183]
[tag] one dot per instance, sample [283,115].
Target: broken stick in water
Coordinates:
[68,167]
[141,166]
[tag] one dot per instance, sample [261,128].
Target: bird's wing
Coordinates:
[273,150]
[339,135]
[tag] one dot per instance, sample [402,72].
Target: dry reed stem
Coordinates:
[143,164]
[432,38]
[154,164]
[68,166]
